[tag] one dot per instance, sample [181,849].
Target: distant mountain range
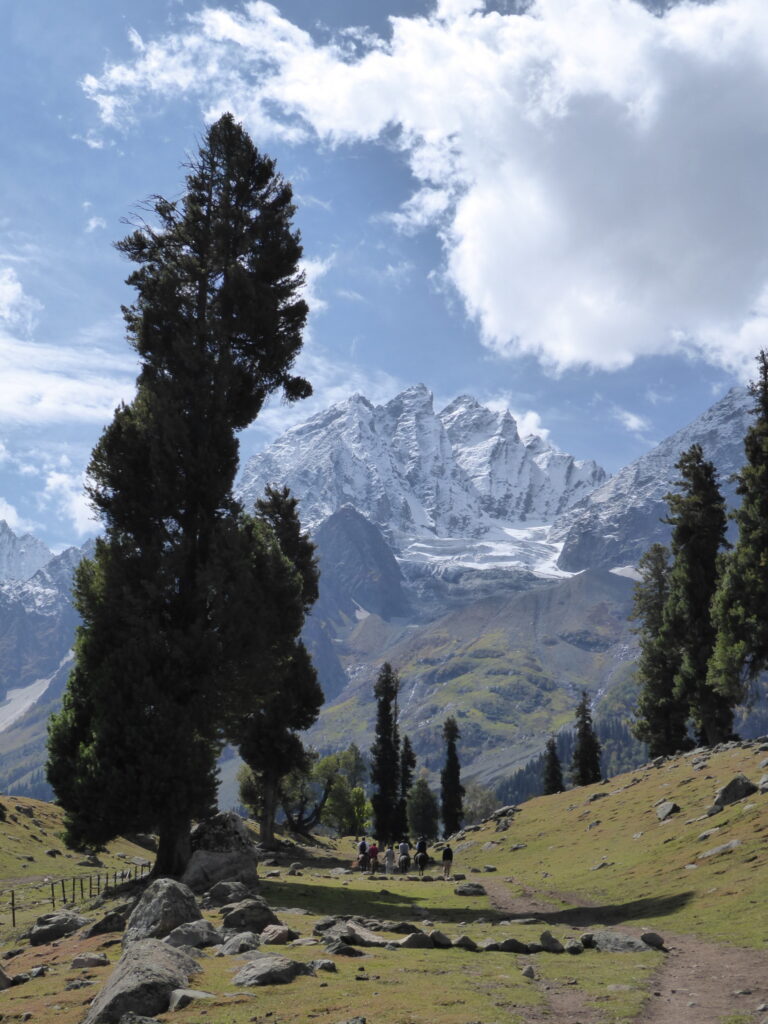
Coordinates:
[447,545]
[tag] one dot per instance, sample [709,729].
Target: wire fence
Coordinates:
[64,891]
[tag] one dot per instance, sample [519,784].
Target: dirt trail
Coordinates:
[699,982]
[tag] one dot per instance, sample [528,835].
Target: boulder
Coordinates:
[355,934]
[240,943]
[615,942]
[416,940]
[470,889]
[324,965]
[440,940]
[90,960]
[513,946]
[763,784]
[277,935]
[112,922]
[573,946]
[55,926]
[228,891]
[465,942]
[182,997]
[268,969]
[251,915]
[5,980]
[550,944]
[340,948]
[652,939]
[739,787]
[195,933]
[222,848]
[164,905]
[142,982]
[666,809]
[488,946]
[716,851]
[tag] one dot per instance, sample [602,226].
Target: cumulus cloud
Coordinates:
[635,424]
[54,383]
[64,492]
[94,223]
[16,522]
[595,170]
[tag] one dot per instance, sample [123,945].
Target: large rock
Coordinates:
[228,891]
[355,934]
[739,787]
[251,915]
[240,943]
[165,905]
[55,926]
[195,933]
[111,922]
[146,974]
[666,809]
[268,969]
[5,980]
[616,942]
[470,889]
[222,848]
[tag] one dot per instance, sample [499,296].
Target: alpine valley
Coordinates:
[493,571]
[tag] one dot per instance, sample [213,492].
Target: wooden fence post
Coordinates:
[13,908]
[53,896]
[63,892]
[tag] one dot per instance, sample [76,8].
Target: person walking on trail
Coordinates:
[389,859]
[447,860]
[362,855]
[373,857]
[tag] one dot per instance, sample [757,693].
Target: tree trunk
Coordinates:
[268,811]
[174,849]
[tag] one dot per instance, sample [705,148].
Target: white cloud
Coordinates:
[528,421]
[596,172]
[16,522]
[65,494]
[314,270]
[56,383]
[94,223]
[635,424]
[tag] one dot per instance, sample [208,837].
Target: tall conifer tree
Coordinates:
[697,516]
[385,758]
[179,605]
[553,770]
[451,789]
[407,768]
[585,766]
[740,606]
[661,714]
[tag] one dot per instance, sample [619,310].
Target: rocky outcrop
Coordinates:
[251,915]
[55,926]
[268,969]
[222,848]
[142,982]
[165,905]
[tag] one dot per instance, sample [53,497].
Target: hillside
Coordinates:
[593,860]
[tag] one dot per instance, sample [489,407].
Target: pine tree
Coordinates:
[697,516]
[385,757]
[739,608]
[661,716]
[422,810]
[407,768]
[585,766]
[553,772]
[266,730]
[179,604]
[451,789]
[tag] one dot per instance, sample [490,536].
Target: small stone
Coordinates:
[528,972]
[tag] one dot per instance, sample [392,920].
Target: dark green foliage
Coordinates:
[385,758]
[697,516]
[304,791]
[186,604]
[553,771]
[451,789]
[266,729]
[407,768]
[661,715]
[422,811]
[739,608]
[585,765]
[346,810]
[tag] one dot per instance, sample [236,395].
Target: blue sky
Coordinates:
[554,205]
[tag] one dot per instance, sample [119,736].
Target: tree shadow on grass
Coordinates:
[616,913]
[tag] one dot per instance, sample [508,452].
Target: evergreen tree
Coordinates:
[661,715]
[407,768]
[553,771]
[697,516]
[266,729]
[186,601]
[585,766]
[739,608]
[451,789]
[385,758]
[422,811]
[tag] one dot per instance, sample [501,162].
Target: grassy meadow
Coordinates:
[592,857]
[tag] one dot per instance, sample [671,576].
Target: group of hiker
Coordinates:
[371,860]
